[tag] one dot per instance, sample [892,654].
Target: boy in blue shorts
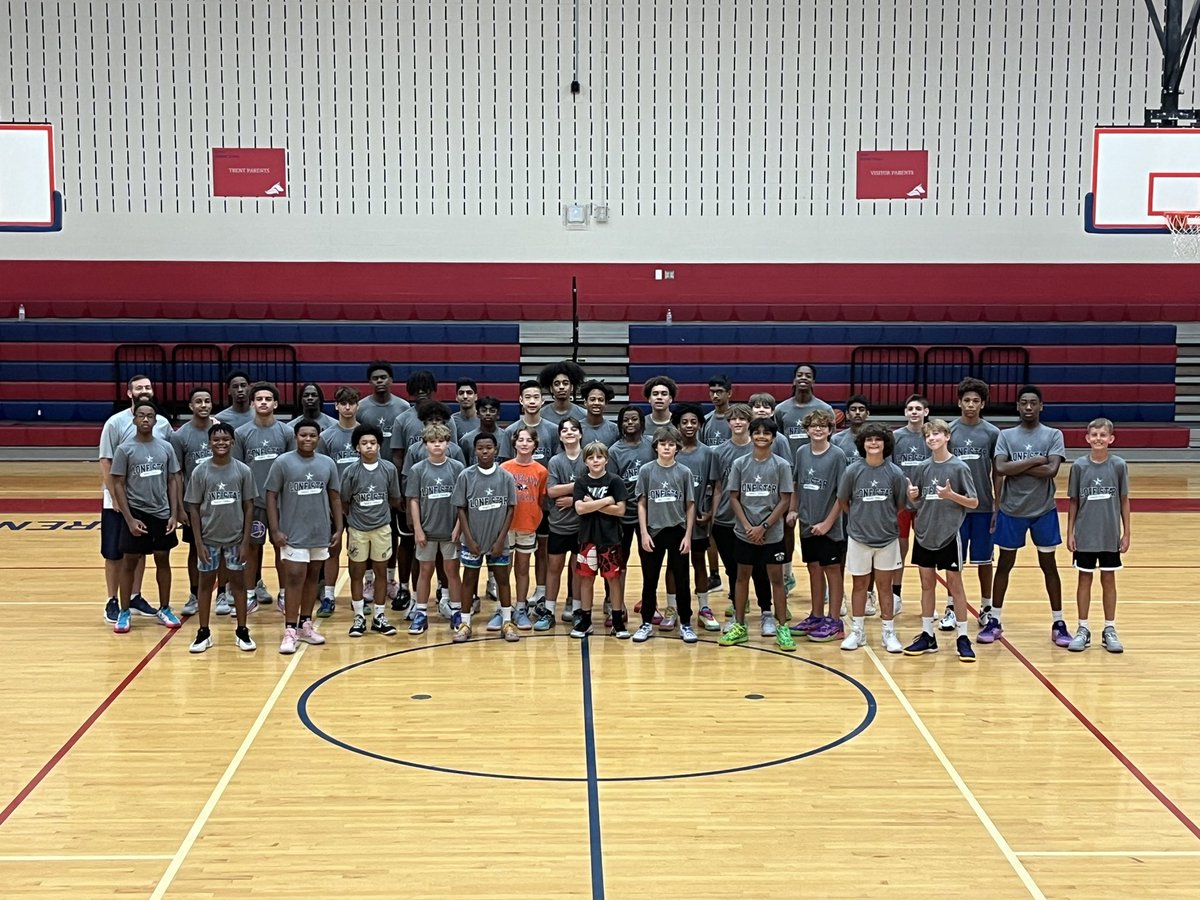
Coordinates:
[1028,456]
[220,506]
[1098,531]
[973,440]
[485,496]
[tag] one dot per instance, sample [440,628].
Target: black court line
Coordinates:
[593,784]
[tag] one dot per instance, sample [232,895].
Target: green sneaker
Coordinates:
[730,612]
[737,634]
[784,639]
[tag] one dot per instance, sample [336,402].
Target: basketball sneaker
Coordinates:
[924,643]
[241,637]
[1112,643]
[644,633]
[687,634]
[1081,641]
[381,625]
[192,606]
[167,618]
[202,641]
[124,618]
[287,646]
[737,633]
[966,653]
[1059,634]
[949,621]
[309,633]
[708,620]
[140,606]
[990,632]
[359,626]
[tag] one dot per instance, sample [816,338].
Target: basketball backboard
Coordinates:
[1139,175]
[28,200]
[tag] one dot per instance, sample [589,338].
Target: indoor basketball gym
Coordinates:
[899,196]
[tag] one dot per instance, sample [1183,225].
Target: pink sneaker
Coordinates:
[288,645]
[393,589]
[309,633]
[369,590]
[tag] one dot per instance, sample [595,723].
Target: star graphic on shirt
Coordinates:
[758,479]
[1098,482]
[970,442]
[812,471]
[381,421]
[308,476]
[203,446]
[438,481]
[266,442]
[666,484]
[220,486]
[489,492]
[1029,447]
[874,484]
[149,458]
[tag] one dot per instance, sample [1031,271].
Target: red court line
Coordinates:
[83,729]
[1096,732]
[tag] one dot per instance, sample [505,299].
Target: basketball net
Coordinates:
[1185,234]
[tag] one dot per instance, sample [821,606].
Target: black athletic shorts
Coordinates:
[752,555]
[560,544]
[822,550]
[1105,561]
[948,558]
[111,525]
[156,539]
[543,528]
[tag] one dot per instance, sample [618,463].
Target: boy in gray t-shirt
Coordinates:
[701,461]
[146,488]
[759,486]
[941,490]
[370,491]
[220,502]
[190,441]
[1029,457]
[304,509]
[872,494]
[666,508]
[1098,530]
[429,490]
[485,496]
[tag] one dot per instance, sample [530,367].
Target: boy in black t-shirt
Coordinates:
[600,502]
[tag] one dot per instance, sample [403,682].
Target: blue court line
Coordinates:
[593,784]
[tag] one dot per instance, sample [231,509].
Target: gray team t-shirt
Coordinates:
[726,454]
[220,493]
[760,484]
[844,441]
[701,461]
[369,493]
[381,415]
[626,460]
[504,449]
[668,490]
[910,449]
[118,429]
[408,430]
[876,495]
[233,418]
[976,446]
[303,485]
[715,430]
[1099,487]
[191,446]
[938,520]
[790,416]
[433,487]
[550,414]
[258,446]
[1027,496]
[323,420]
[547,433]
[147,466]
[605,433]
[487,497]
[564,470]
[334,442]
[817,479]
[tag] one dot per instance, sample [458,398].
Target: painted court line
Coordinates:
[1099,735]
[83,729]
[219,789]
[230,770]
[83,857]
[1103,854]
[593,785]
[976,807]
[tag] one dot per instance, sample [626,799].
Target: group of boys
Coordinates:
[412,482]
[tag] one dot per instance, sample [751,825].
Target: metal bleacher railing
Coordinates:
[889,374]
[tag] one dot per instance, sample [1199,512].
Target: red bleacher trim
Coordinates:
[771,354]
[747,292]
[50,435]
[1055,393]
[102,351]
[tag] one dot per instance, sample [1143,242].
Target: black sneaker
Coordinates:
[925,643]
[381,625]
[140,606]
[966,653]
[576,618]
[202,642]
[111,608]
[359,626]
[714,582]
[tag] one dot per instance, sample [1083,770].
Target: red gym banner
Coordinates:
[249,172]
[893,174]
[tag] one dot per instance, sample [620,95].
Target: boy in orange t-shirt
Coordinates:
[531,478]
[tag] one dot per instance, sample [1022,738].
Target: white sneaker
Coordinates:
[444,606]
[644,633]
[985,613]
[949,621]
[687,635]
[192,606]
[288,645]
[309,633]
[200,644]
[280,601]
[891,643]
[768,625]
[225,604]
[845,609]
[491,586]
[872,604]
[897,605]
[855,639]
[729,623]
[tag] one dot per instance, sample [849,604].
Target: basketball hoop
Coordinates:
[1185,233]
